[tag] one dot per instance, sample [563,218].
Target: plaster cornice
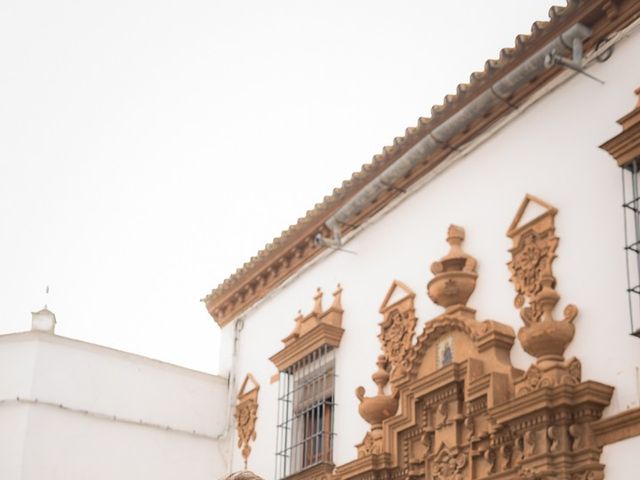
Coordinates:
[618,427]
[321,334]
[295,248]
[625,147]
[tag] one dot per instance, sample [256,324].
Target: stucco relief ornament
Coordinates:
[376,409]
[471,415]
[246,415]
[533,252]
[448,465]
[454,274]
[397,327]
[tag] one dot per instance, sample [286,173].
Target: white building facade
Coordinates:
[74,410]
[537,148]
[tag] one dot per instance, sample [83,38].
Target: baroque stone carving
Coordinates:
[533,252]
[376,409]
[317,328]
[473,416]
[397,327]
[490,457]
[246,415]
[454,274]
[529,443]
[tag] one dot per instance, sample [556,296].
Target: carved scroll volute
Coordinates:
[246,415]
[448,464]
[397,327]
[533,252]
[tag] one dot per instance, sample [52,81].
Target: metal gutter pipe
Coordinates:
[458,122]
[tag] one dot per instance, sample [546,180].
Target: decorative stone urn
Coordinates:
[455,275]
[377,409]
[544,337]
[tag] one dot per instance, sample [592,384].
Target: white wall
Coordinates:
[621,459]
[550,151]
[47,383]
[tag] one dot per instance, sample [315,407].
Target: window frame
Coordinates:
[306,412]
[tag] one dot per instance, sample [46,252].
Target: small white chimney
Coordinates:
[43,321]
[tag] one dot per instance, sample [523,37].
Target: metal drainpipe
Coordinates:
[440,135]
[231,398]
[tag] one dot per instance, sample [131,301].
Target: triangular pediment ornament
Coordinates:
[397,328]
[396,293]
[249,385]
[531,210]
[246,413]
[457,408]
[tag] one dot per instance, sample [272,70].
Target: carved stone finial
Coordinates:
[397,327]
[337,298]
[466,412]
[381,377]
[246,415]
[454,274]
[455,236]
[326,327]
[533,252]
[376,409]
[298,327]
[317,306]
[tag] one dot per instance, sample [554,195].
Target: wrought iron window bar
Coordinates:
[306,413]
[631,210]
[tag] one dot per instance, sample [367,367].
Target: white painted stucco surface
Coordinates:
[47,383]
[621,459]
[550,151]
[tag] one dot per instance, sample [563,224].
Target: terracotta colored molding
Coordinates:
[370,466]
[398,327]
[286,254]
[376,409]
[625,147]
[312,331]
[618,427]
[321,471]
[544,337]
[460,409]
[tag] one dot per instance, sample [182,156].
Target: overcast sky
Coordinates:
[149,148]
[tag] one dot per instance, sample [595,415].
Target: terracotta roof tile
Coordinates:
[449,102]
[478,81]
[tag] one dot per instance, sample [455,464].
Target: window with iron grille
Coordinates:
[631,205]
[305,413]
[625,149]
